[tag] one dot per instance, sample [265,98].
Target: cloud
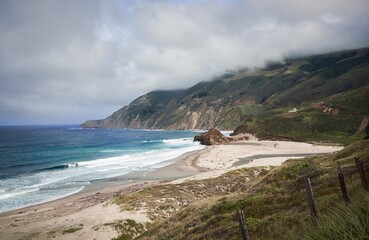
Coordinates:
[67,61]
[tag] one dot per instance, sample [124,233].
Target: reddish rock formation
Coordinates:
[239,130]
[211,137]
[215,137]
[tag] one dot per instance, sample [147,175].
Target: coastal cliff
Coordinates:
[303,95]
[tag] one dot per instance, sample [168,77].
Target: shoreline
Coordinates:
[92,207]
[178,168]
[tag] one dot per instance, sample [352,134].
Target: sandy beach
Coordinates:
[87,214]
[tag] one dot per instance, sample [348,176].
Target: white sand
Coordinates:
[88,211]
[93,220]
[220,159]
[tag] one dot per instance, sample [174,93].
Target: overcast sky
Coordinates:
[71,60]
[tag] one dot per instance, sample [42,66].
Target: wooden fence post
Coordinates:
[360,169]
[244,231]
[310,197]
[341,179]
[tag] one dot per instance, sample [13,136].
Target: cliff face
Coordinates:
[235,98]
[144,112]
[222,103]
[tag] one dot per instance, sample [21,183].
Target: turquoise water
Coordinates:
[43,163]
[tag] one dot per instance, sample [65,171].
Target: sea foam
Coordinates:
[53,182]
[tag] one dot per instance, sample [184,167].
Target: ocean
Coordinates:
[44,163]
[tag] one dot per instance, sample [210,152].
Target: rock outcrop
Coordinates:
[240,137]
[215,137]
[211,137]
[363,125]
[328,109]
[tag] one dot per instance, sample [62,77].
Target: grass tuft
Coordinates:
[346,222]
[72,229]
[127,229]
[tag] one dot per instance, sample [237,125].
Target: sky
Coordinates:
[67,61]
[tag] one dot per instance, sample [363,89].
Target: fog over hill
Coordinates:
[301,99]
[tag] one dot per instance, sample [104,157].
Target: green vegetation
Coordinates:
[55,232]
[72,229]
[336,119]
[346,221]
[306,126]
[330,103]
[127,229]
[165,200]
[274,202]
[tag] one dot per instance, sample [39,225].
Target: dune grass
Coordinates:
[72,229]
[345,221]
[274,202]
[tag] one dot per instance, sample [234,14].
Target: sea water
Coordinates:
[44,163]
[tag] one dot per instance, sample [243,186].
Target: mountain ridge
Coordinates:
[241,97]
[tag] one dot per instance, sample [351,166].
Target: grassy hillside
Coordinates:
[335,119]
[333,73]
[274,202]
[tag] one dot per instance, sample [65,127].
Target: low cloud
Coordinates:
[68,61]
